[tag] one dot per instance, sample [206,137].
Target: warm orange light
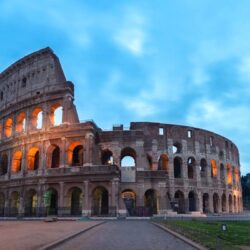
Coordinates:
[16,162]
[236,172]
[31,158]
[20,122]
[214,168]
[163,162]
[229,174]
[34,117]
[70,151]
[8,127]
[53,108]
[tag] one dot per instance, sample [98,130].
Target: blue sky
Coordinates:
[182,61]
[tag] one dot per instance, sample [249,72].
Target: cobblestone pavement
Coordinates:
[125,235]
[29,235]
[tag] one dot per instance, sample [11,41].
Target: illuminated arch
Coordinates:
[8,127]
[53,156]
[214,170]
[33,158]
[229,174]
[163,162]
[55,115]
[16,162]
[75,154]
[20,122]
[37,118]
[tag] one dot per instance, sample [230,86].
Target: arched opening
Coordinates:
[128,157]
[192,201]
[31,203]
[223,203]
[75,154]
[150,202]
[222,174]
[177,167]
[230,203]
[213,168]
[216,203]
[229,174]
[75,201]
[235,204]
[37,118]
[100,201]
[205,203]
[4,164]
[150,162]
[56,114]
[163,162]
[8,127]
[129,199]
[16,162]
[2,202]
[221,155]
[107,157]
[176,148]
[236,174]
[52,201]
[191,167]
[179,202]
[203,168]
[20,122]
[33,158]
[14,203]
[53,156]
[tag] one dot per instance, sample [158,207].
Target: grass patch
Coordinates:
[209,234]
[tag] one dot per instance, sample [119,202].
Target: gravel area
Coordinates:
[29,235]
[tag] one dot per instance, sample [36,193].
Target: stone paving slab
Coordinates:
[31,235]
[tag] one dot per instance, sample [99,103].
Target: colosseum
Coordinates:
[53,164]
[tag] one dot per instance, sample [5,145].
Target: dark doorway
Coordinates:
[100,201]
[150,202]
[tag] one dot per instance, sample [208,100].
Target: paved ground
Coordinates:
[125,235]
[31,235]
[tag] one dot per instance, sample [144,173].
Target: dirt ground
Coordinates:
[31,235]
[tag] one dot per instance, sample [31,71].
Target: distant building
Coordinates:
[69,167]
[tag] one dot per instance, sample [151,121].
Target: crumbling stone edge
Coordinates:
[68,237]
[181,237]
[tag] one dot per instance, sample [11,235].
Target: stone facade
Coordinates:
[76,168]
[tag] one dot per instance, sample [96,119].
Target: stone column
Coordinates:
[88,157]
[61,196]
[63,154]
[114,197]
[24,160]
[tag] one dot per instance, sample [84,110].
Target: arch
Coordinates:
[37,118]
[177,148]
[180,202]
[223,203]
[107,157]
[128,157]
[4,164]
[214,169]
[230,203]
[53,201]
[235,204]
[20,122]
[221,155]
[191,167]
[163,162]
[2,203]
[203,168]
[16,162]
[100,201]
[222,173]
[150,162]
[177,167]
[14,203]
[53,156]
[129,198]
[236,175]
[192,199]
[31,200]
[205,203]
[229,174]
[75,154]
[150,202]
[75,200]
[216,200]
[8,127]
[33,158]
[56,113]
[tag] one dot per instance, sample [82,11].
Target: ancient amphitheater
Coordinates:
[73,168]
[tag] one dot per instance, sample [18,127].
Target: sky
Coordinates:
[183,61]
